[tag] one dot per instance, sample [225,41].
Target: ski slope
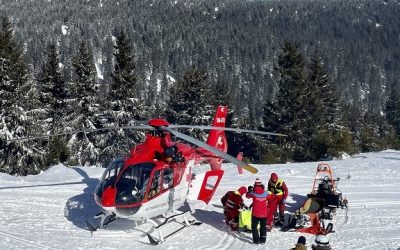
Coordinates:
[48,211]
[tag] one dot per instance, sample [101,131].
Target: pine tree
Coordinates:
[16,157]
[190,101]
[287,115]
[53,95]
[351,118]
[322,105]
[53,89]
[371,133]
[85,104]
[124,79]
[392,109]
[392,112]
[124,106]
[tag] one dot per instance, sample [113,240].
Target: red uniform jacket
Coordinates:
[232,201]
[260,201]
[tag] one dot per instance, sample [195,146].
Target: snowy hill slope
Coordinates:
[48,211]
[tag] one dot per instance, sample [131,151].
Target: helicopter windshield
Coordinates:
[109,176]
[133,183]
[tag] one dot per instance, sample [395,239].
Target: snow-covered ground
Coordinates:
[48,211]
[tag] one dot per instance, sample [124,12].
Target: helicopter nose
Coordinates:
[128,211]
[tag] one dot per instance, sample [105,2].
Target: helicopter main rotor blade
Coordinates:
[213,150]
[226,129]
[81,131]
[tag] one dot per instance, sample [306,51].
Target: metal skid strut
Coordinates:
[105,219]
[157,227]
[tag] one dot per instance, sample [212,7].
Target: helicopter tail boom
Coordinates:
[217,138]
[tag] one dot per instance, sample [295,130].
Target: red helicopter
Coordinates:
[156,178]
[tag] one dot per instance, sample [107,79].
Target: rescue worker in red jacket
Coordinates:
[279,188]
[259,211]
[232,202]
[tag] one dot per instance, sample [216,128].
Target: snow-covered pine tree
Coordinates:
[323,128]
[86,106]
[273,153]
[249,144]
[161,99]
[372,137]
[290,102]
[53,95]
[392,109]
[190,101]
[123,106]
[16,157]
[351,117]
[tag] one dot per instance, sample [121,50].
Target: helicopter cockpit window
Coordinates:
[211,182]
[168,178]
[133,183]
[155,184]
[109,176]
[113,170]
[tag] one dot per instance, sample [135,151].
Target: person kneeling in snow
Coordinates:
[232,202]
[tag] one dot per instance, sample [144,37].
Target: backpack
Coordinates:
[225,197]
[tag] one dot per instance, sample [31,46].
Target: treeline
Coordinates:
[237,41]
[306,107]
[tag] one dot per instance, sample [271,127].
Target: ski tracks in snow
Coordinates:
[8,237]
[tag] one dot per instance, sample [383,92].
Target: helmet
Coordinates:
[170,151]
[321,240]
[274,177]
[242,190]
[257,182]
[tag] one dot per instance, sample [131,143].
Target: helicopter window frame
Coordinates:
[113,170]
[167,178]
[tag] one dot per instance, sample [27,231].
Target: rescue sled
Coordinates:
[320,206]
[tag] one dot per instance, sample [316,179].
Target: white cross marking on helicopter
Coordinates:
[220,140]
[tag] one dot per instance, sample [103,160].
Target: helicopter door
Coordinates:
[209,185]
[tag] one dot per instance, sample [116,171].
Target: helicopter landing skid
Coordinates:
[105,219]
[157,227]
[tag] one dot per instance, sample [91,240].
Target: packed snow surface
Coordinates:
[48,211]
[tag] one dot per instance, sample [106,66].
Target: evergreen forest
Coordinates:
[324,73]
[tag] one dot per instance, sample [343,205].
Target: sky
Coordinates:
[49,210]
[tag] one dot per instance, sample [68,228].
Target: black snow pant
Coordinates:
[262,236]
